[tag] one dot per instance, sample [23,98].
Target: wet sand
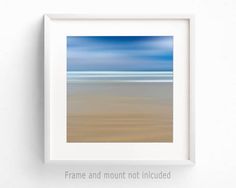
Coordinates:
[119,112]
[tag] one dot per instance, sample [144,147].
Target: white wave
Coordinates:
[120,76]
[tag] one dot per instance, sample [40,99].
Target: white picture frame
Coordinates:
[56,151]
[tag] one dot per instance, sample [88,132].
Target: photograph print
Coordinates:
[119,89]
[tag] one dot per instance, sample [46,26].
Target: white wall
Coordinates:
[21,94]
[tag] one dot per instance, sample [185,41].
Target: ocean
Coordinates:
[120,76]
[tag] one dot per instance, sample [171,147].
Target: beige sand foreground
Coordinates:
[119,112]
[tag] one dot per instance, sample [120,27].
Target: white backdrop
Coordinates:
[21,94]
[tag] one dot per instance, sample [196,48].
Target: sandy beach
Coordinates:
[119,112]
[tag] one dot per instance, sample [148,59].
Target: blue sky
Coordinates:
[119,53]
